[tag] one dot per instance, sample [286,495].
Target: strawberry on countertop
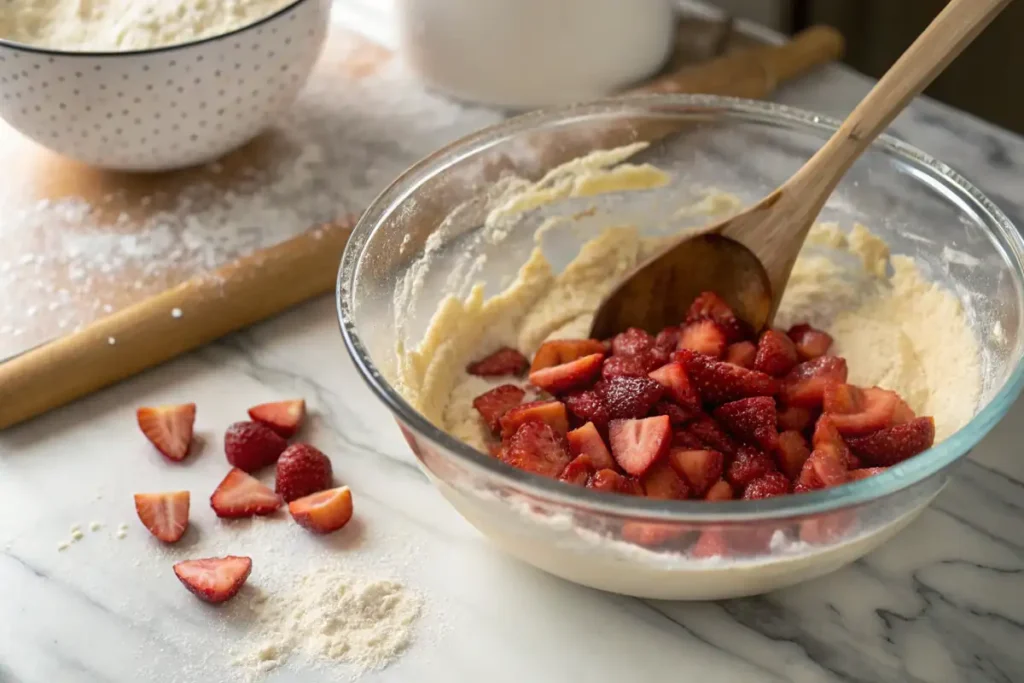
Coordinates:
[214,579]
[168,428]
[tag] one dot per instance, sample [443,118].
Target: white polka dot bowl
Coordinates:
[162,108]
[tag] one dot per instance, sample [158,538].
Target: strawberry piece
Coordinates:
[624,366]
[678,386]
[587,441]
[895,444]
[632,342]
[749,464]
[637,444]
[578,471]
[856,411]
[827,529]
[168,428]
[323,511]
[742,353]
[284,417]
[792,453]
[214,579]
[794,418]
[864,473]
[494,404]
[687,441]
[810,343]
[712,436]
[676,413]
[611,481]
[703,336]
[719,382]
[651,534]
[164,514]
[537,447]
[710,305]
[302,470]
[588,406]
[776,354]
[804,386]
[551,413]
[252,445]
[768,486]
[699,468]
[711,543]
[751,420]
[829,462]
[827,438]
[629,397]
[560,351]
[242,495]
[719,491]
[661,481]
[667,339]
[575,374]
[504,361]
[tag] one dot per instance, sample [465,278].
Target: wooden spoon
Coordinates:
[747,259]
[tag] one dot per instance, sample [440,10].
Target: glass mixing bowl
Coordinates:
[634,545]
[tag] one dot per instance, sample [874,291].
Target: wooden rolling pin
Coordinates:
[274,279]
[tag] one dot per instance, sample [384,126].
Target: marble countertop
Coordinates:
[942,603]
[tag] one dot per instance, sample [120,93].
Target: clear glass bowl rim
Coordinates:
[897,478]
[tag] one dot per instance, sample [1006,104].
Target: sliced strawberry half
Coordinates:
[710,305]
[549,412]
[703,336]
[632,342]
[804,386]
[810,342]
[168,428]
[792,453]
[558,351]
[537,447]
[242,495]
[214,579]
[829,461]
[700,468]
[827,438]
[625,366]
[711,435]
[767,486]
[504,361]
[856,411]
[588,406]
[324,511]
[748,465]
[587,441]
[742,353]
[576,374]
[494,404]
[661,481]
[637,444]
[612,482]
[776,354]
[895,444]
[164,514]
[667,339]
[718,382]
[751,420]
[284,417]
[795,418]
[578,471]
[677,384]
[719,491]
[629,397]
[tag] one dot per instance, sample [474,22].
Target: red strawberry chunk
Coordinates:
[719,382]
[549,412]
[895,444]
[794,418]
[711,543]
[719,491]
[168,428]
[820,471]
[661,481]
[560,351]
[214,580]
[578,471]
[804,386]
[637,444]
[751,420]
[678,386]
[242,495]
[629,397]
[810,343]
[575,374]
[712,436]
[537,447]
[624,366]
[827,438]
[250,446]
[587,441]
[865,472]
[742,354]
[323,512]
[667,339]
[776,354]
[164,514]
[494,404]
[856,411]
[613,482]
[632,342]
[588,406]
[749,464]
[676,413]
[710,305]
[504,361]
[685,440]
[284,417]
[699,468]
[792,453]
[302,470]
[768,486]
[651,534]
[703,336]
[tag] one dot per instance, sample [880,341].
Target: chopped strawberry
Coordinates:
[827,529]
[712,436]
[588,406]
[865,472]
[710,305]
[719,382]
[751,420]
[827,437]
[749,464]
[742,353]
[242,495]
[632,342]
[700,468]
[613,482]
[587,441]
[575,374]
[703,336]
[493,404]
[767,486]
[629,397]
[804,386]
[687,441]
[214,579]
[810,343]
[667,339]
[578,471]
[903,413]
[560,351]
[284,417]
[624,366]
[651,534]
[792,453]
[829,462]
[719,491]
[856,411]
[677,384]
[676,413]
[252,445]
[550,412]
[895,444]
[164,514]
[537,447]
[302,470]
[794,418]
[661,481]
[169,428]
[637,444]
[324,511]
[711,543]
[504,361]
[776,354]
